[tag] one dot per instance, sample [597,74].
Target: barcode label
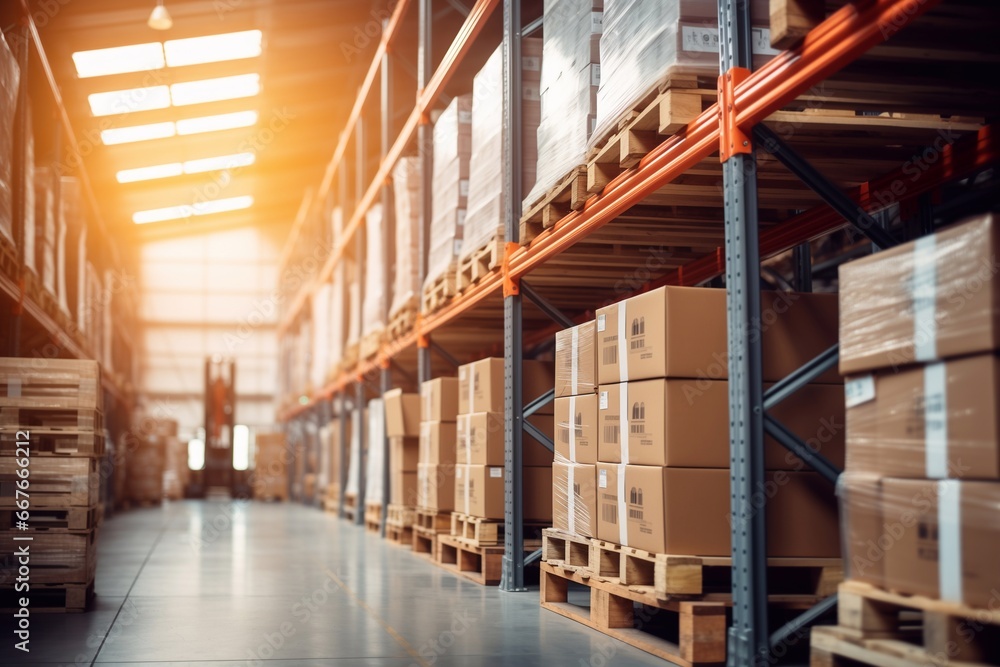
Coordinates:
[611,433]
[635,514]
[610,355]
[604,400]
[601,322]
[609,513]
[563,434]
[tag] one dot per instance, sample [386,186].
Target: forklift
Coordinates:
[219,480]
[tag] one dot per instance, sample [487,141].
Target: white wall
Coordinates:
[206,295]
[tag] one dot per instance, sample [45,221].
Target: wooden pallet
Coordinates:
[424,541]
[52,419]
[876,627]
[477,264]
[349,358]
[57,557]
[56,481]
[55,519]
[477,531]
[402,321]
[350,506]
[684,632]
[331,504]
[44,441]
[50,383]
[370,344]
[440,290]
[570,552]
[438,522]
[51,598]
[401,516]
[482,564]
[669,576]
[401,535]
[373,517]
[568,194]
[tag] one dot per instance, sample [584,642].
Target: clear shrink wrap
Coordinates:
[450,185]
[69,224]
[486,203]
[935,421]
[576,360]
[28,237]
[322,332]
[354,457]
[10,77]
[406,198]
[935,538]
[45,228]
[934,298]
[372,315]
[647,42]
[353,308]
[570,75]
[574,497]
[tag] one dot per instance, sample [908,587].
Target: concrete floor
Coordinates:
[282,585]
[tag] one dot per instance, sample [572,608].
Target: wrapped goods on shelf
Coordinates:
[935,538]
[931,299]
[322,325]
[450,185]
[353,310]
[28,219]
[108,299]
[354,464]
[372,312]
[486,203]
[9,80]
[576,360]
[92,315]
[45,228]
[375,460]
[340,308]
[570,75]
[646,43]
[70,231]
[406,198]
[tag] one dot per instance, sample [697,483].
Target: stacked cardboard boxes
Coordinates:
[574,472]
[662,427]
[162,434]
[920,332]
[402,426]
[406,198]
[479,473]
[486,203]
[436,448]
[452,147]
[270,475]
[51,444]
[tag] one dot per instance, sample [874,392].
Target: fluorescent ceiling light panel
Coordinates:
[225,121]
[149,173]
[118,60]
[125,135]
[187,210]
[218,163]
[213,48]
[125,101]
[214,90]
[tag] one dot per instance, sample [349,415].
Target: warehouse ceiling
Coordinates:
[289,98]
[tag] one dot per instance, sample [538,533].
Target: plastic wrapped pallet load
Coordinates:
[372,311]
[322,324]
[406,197]
[45,229]
[485,207]
[9,79]
[375,461]
[452,145]
[568,89]
[646,43]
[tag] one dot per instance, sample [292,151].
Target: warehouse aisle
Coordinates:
[227,584]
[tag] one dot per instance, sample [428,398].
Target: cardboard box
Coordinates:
[948,549]
[579,443]
[680,332]
[480,440]
[576,360]
[402,414]
[403,487]
[479,490]
[437,442]
[436,486]
[404,453]
[657,515]
[864,536]
[685,424]
[439,400]
[934,298]
[486,392]
[574,498]
[935,421]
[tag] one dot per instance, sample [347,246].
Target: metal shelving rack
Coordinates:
[26,311]
[730,127]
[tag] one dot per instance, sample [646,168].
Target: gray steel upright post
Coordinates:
[342,418]
[425,145]
[748,636]
[512,576]
[387,261]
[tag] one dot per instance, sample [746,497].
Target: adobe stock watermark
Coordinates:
[433,649]
[890,25]
[364,35]
[641,274]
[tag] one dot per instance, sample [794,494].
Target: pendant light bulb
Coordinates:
[160,19]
